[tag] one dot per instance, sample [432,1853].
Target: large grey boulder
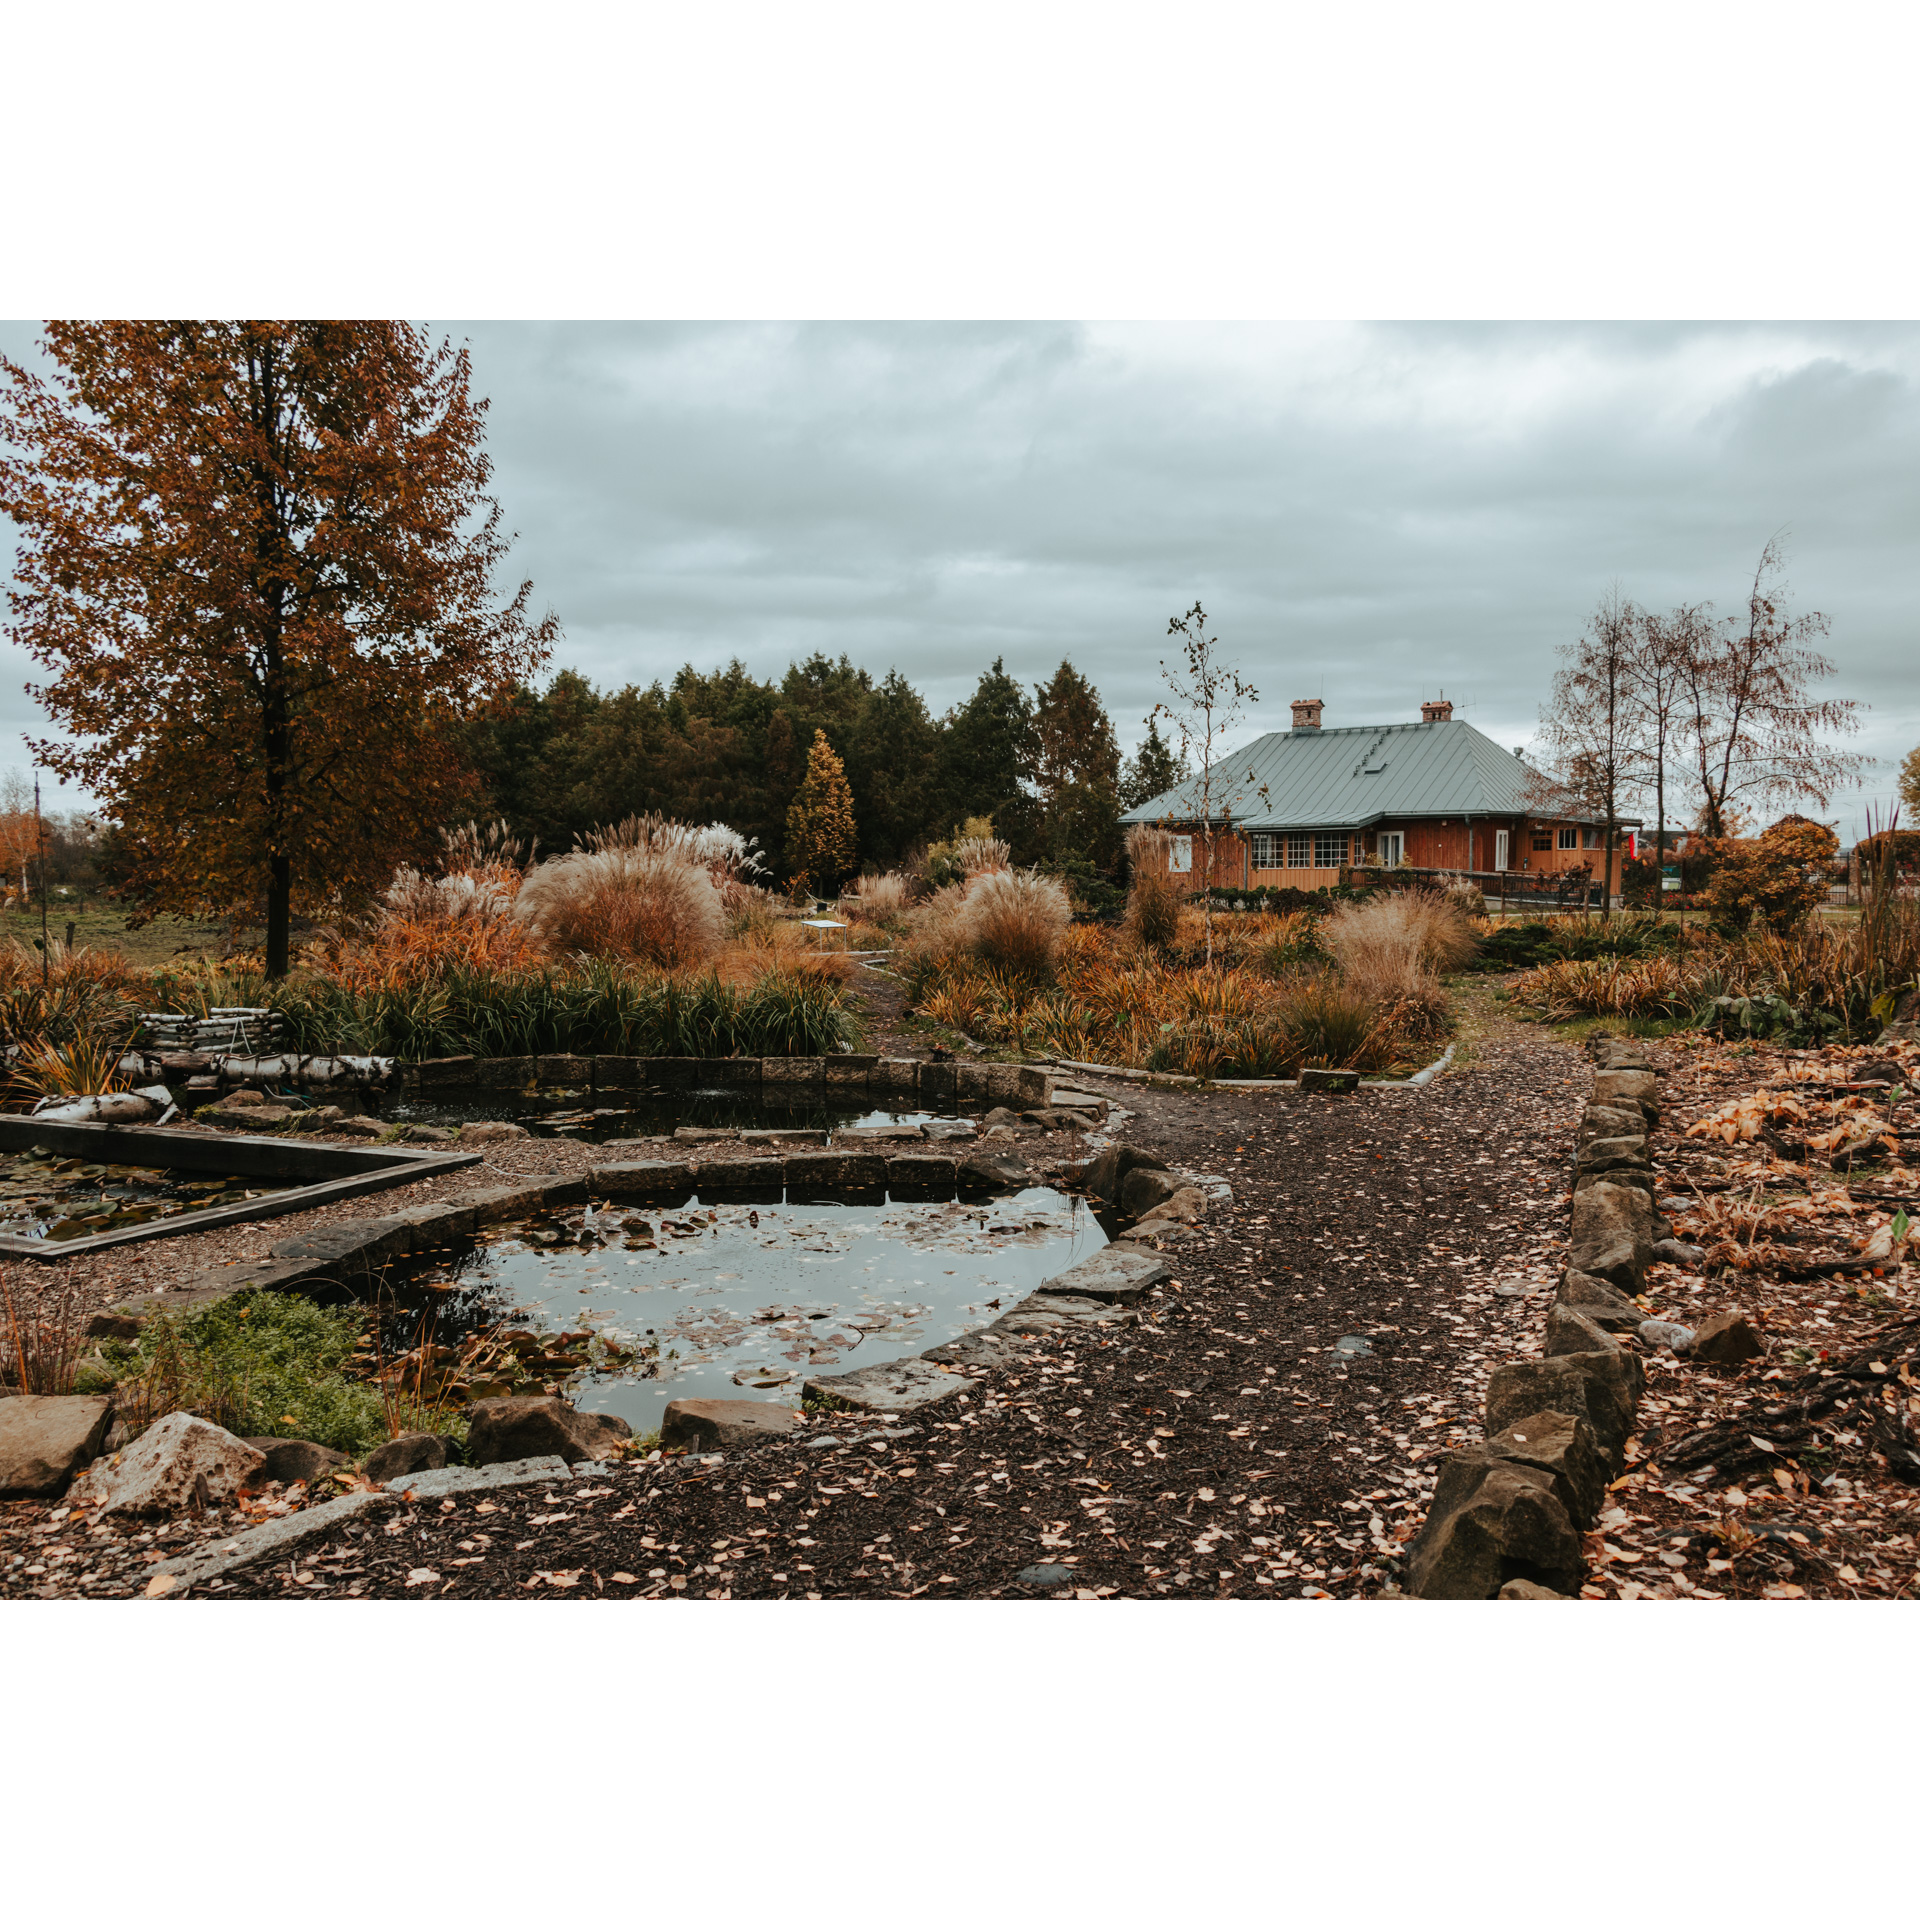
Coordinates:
[1727,1340]
[1595,1387]
[1563,1447]
[1603,1156]
[531,1425]
[1611,1235]
[289,1460]
[405,1453]
[179,1462]
[994,1172]
[46,1438]
[1105,1171]
[1627,1089]
[1600,1123]
[1503,1523]
[1148,1188]
[1571,1331]
[1602,1302]
[724,1426]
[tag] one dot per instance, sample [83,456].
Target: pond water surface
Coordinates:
[747,1301]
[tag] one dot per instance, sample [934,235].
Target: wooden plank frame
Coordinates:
[327,1173]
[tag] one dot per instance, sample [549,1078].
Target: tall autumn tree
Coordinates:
[257,557]
[820,831]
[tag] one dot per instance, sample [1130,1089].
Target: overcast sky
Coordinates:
[1369,513]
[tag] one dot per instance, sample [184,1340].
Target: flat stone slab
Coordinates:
[920,1171]
[349,1247]
[437,1223]
[836,1170]
[900,1386]
[171,1579]
[437,1482]
[1114,1273]
[764,1170]
[724,1426]
[639,1176]
[1043,1312]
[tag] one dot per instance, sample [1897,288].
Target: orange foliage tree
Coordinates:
[821,838]
[257,557]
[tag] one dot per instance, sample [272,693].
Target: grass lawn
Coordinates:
[103,923]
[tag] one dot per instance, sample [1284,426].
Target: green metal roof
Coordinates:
[1355,776]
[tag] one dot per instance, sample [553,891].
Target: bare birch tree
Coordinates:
[1656,679]
[1206,701]
[1756,732]
[1592,728]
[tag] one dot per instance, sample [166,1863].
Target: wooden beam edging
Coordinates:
[391,1167]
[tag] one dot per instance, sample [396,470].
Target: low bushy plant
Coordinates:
[256,1364]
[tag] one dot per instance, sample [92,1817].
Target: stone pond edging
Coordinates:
[1508,1513]
[849,1072]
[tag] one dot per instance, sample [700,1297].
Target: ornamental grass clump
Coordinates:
[1153,901]
[879,896]
[623,898]
[1014,921]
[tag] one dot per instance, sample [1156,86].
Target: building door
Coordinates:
[1393,849]
[1500,851]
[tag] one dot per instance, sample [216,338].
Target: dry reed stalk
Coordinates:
[46,1350]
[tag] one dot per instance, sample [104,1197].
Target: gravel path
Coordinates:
[1225,1446]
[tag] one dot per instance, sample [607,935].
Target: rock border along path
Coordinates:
[1508,1513]
[851,1072]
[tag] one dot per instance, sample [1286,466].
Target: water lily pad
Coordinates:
[763,1376]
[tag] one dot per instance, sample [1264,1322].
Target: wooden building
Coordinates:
[1302,808]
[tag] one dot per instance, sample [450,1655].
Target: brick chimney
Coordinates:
[1306,713]
[1432,710]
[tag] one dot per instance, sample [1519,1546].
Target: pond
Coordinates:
[48,1196]
[640,1114]
[747,1302]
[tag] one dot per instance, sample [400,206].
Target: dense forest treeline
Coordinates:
[1044,764]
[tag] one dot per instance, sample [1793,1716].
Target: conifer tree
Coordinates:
[820,827]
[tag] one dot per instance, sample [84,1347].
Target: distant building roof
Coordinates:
[1313,776]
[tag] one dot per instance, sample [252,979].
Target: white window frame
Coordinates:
[1502,843]
[1335,843]
[1299,849]
[1263,852]
[1393,848]
[1180,854]
[1567,840]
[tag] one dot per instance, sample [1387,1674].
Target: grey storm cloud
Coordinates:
[1371,513]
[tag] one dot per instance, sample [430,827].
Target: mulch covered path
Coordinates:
[1226,1446]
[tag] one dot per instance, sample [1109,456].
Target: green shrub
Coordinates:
[256,1363]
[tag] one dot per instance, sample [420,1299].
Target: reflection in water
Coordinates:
[747,1301]
[644,1114]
